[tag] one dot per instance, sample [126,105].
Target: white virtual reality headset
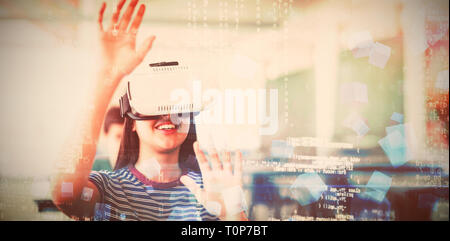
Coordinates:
[150,93]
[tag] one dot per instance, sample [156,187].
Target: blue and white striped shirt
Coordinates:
[126,194]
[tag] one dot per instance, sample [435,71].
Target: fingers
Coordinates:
[137,20]
[116,14]
[215,161]
[124,22]
[202,161]
[193,187]
[238,164]
[227,163]
[100,16]
[145,47]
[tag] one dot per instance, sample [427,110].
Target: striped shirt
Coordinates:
[126,194]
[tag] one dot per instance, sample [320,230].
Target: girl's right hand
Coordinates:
[118,43]
[222,193]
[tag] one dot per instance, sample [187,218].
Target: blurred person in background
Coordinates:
[265,198]
[287,208]
[113,130]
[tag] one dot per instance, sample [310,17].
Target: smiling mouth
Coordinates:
[166,126]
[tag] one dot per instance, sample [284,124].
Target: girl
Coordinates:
[160,173]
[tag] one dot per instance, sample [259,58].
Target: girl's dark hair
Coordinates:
[129,147]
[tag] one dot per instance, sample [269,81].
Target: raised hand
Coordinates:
[222,187]
[118,41]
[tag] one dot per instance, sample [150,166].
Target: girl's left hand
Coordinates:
[222,192]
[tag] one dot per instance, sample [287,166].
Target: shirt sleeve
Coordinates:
[101,180]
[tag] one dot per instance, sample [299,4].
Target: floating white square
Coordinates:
[397,117]
[442,80]
[86,194]
[234,200]
[354,92]
[357,124]
[396,139]
[67,189]
[379,55]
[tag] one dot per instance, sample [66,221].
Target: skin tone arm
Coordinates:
[119,58]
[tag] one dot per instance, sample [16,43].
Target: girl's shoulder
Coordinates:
[119,174]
